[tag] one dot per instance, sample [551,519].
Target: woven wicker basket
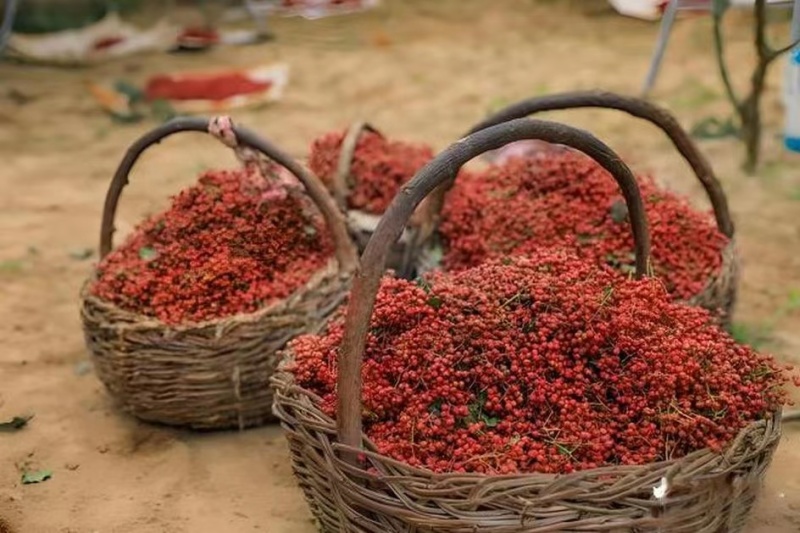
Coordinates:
[215,374]
[362,224]
[720,290]
[351,487]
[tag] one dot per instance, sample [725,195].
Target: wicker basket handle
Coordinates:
[343,179]
[234,137]
[636,107]
[443,168]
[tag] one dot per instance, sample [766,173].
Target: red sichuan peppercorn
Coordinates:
[203,86]
[379,168]
[230,244]
[543,364]
[563,198]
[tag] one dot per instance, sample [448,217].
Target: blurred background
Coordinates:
[71,103]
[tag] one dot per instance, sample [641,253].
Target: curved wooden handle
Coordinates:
[346,253]
[636,107]
[443,168]
[342,179]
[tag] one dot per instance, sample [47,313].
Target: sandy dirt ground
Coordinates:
[418,69]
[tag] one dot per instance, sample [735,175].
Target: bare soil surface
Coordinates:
[417,69]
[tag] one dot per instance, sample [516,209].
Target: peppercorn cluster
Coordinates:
[545,363]
[379,168]
[232,243]
[565,199]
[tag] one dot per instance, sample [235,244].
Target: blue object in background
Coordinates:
[791,89]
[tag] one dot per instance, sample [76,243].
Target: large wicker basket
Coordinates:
[351,487]
[361,224]
[215,374]
[719,292]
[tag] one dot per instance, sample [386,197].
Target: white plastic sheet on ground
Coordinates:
[276,76]
[641,9]
[106,39]
[653,9]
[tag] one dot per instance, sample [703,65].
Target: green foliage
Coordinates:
[43,16]
[15,424]
[36,476]
[694,94]
[760,335]
[753,335]
[147,254]
[496,104]
[12,266]
[81,254]
[714,128]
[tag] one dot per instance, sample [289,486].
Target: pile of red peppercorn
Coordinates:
[230,244]
[544,363]
[563,198]
[203,86]
[379,168]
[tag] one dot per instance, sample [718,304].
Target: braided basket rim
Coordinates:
[400,496]
[721,288]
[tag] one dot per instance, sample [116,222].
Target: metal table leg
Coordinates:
[661,45]
[8,23]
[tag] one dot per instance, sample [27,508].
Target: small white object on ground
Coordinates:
[660,491]
[641,9]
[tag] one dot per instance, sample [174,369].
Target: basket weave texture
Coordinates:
[708,492]
[719,293]
[351,487]
[215,374]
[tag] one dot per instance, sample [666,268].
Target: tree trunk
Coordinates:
[750,114]
[751,135]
